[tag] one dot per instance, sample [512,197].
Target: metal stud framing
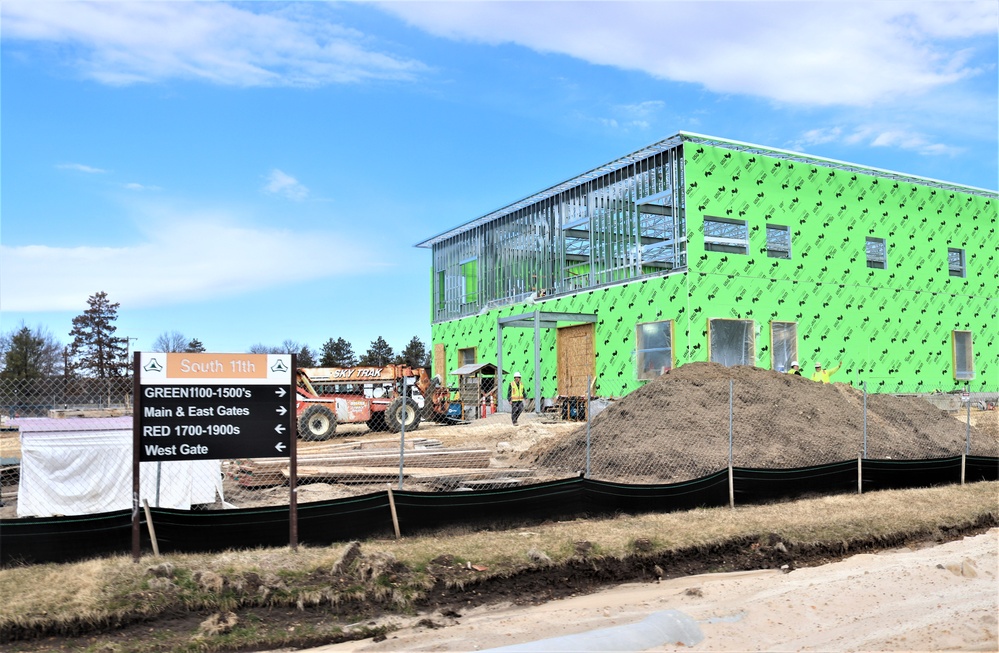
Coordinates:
[621,221]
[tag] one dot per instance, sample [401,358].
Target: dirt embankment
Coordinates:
[677,426]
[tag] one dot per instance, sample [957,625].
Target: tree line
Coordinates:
[96,350]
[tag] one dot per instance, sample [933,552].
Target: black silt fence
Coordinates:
[66,539]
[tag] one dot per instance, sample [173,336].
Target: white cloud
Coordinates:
[79,167]
[281,183]
[819,137]
[185,257]
[139,187]
[258,44]
[876,136]
[807,53]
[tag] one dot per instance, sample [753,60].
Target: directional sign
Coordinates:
[214,406]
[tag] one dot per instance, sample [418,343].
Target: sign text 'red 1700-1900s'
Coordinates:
[214,406]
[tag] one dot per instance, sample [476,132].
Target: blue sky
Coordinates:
[249,173]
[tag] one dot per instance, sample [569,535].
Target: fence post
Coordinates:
[865,419]
[731,476]
[964,460]
[860,475]
[967,428]
[588,381]
[402,432]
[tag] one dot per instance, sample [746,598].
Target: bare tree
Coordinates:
[173,341]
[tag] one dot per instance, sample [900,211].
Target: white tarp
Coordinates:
[84,466]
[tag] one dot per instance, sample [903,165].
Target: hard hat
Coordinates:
[516,374]
[818,365]
[794,363]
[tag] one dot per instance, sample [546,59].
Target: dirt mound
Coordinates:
[677,427]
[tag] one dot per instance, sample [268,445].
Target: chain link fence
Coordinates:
[66,445]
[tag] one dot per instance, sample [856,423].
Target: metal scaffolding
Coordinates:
[621,221]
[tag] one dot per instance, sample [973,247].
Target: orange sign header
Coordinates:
[190,368]
[216,366]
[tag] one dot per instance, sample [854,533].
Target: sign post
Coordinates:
[207,406]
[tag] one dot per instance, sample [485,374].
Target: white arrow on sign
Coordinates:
[279,446]
[282,410]
[280,392]
[279,428]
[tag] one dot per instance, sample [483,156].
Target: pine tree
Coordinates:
[30,354]
[337,353]
[306,357]
[378,354]
[23,359]
[194,347]
[415,354]
[97,350]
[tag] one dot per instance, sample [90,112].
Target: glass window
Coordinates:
[877,253]
[725,235]
[654,348]
[778,241]
[955,262]
[783,344]
[964,363]
[466,356]
[731,342]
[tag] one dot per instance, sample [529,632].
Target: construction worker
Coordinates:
[794,368]
[516,393]
[821,375]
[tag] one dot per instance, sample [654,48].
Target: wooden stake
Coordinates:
[731,488]
[152,530]
[395,517]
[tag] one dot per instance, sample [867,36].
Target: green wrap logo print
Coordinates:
[845,309]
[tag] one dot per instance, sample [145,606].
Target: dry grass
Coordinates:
[104,590]
[826,519]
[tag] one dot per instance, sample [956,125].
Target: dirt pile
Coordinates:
[677,427]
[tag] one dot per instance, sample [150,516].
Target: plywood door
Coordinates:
[440,363]
[576,360]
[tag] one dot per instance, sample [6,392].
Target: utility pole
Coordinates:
[128,355]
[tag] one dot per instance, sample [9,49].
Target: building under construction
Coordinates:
[703,249]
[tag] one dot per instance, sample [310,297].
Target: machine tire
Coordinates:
[317,422]
[377,422]
[399,410]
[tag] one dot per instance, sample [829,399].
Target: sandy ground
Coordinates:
[939,598]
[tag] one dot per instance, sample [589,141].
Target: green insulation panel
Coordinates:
[878,273]
[892,326]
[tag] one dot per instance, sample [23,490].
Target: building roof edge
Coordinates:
[693,137]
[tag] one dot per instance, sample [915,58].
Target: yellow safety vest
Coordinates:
[516,391]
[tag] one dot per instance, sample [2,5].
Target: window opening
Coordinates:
[731,342]
[955,262]
[654,350]
[466,356]
[964,364]
[877,255]
[783,344]
[725,235]
[470,276]
[778,241]
[662,235]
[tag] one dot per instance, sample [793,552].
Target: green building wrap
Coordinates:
[891,320]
